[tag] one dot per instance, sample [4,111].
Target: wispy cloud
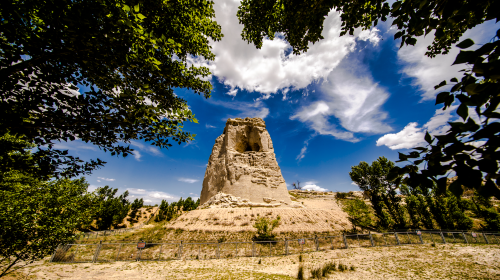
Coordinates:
[255,109]
[188,180]
[304,149]
[152,150]
[350,98]
[209,126]
[151,196]
[106,179]
[137,155]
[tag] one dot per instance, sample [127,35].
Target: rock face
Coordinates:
[243,165]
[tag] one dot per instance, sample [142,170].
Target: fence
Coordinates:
[106,252]
[95,234]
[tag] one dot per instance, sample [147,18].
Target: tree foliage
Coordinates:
[265,228]
[169,212]
[36,216]
[130,54]
[360,214]
[372,179]
[109,210]
[301,21]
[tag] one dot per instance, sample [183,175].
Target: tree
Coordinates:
[265,228]
[372,179]
[296,186]
[302,21]
[135,206]
[359,213]
[130,54]
[110,210]
[36,216]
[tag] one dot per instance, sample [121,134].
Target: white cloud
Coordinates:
[137,155]
[74,145]
[98,180]
[152,150]
[311,186]
[370,35]
[354,184]
[350,95]
[106,179]
[304,149]
[209,126]
[188,180]
[412,136]
[151,196]
[428,72]
[240,66]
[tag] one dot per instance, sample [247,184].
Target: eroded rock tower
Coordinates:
[243,164]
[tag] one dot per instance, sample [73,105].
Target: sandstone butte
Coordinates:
[242,170]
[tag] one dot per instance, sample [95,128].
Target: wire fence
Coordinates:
[144,251]
[95,234]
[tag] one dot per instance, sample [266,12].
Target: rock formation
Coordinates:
[243,165]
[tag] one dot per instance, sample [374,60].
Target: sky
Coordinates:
[348,99]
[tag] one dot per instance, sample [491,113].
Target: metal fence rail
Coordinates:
[109,252]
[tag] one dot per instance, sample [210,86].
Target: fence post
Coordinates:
[442,237]
[118,254]
[317,242]
[421,239]
[253,249]
[371,239]
[465,238]
[180,251]
[486,239]
[397,238]
[218,250]
[96,254]
[286,246]
[345,241]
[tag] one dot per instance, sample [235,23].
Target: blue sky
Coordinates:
[348,99]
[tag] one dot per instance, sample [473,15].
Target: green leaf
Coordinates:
[136,8]
[428,137]
[454,80]
[463,111]
[442,97]
[440,85]
[465,44]
[464,57]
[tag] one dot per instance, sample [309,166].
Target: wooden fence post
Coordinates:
[397,238]
[371,239]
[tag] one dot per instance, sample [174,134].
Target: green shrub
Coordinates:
[264,228]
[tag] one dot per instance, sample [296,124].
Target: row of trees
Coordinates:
[167,212]
[394,205]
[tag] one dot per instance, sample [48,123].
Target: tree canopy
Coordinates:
[36,216]
[130,55]
[301,21]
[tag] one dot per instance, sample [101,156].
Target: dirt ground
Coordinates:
[402,262]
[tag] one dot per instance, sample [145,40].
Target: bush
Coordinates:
[264,228]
